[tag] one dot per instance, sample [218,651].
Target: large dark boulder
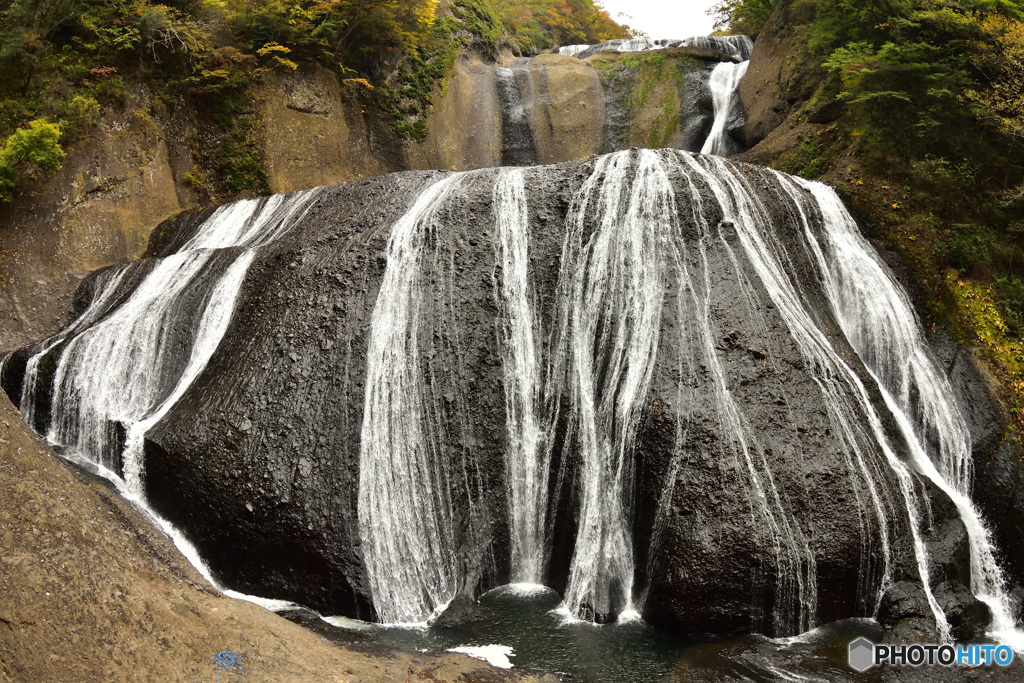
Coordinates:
[749,507]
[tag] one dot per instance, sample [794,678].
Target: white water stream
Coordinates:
[880,323]
[124,365]
[405,515]
[724,84]
[527,461]
[615,290]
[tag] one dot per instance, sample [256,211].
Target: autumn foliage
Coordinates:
[542,24]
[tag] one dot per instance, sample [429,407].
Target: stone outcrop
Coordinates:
[314,132]
[265,445]
[780,76]
[98,210]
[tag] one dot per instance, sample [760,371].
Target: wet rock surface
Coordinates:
[461,610]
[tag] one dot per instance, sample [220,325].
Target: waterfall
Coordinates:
[657,245]
[107,287]
[795,603]
[615,284]
[517,144]
[405,515]
[526,460]
[572,50]
[611,318]
[212,327]
[880,323]
[122,366]
[742,208]
[724,84]
[736,47]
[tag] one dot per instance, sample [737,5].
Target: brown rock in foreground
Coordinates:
[89,591]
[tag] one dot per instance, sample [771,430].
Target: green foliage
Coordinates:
[924,101]
[742,16]
[1001,55]
[241,167]
[651,86]
[196,180]
[980,316]
[813,157]
[83,111]
[968,247]
[410,94]
[1010,290]
[70,60]
[36,146]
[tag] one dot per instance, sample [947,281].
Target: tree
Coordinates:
[38,145]
[27,28]
[540,24]
[1002,59]
[742,16]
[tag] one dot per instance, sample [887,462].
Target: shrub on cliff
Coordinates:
[36,146]
[746,17]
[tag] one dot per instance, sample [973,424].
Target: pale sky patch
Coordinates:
[663,18]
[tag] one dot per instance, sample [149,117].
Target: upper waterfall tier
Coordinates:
[738,48]
[647,379]
[551,108]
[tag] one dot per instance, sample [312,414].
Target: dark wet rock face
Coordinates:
[636,99]
[518,147]
[461,610]
[689,439]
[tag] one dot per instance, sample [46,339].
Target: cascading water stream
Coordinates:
[120,357]
[572,50]
[211,330]
[615,294]
[795,573]
[879,320]
[527,461]
[609,326]
[724,84]
[518,147]
[405,515]
[124,370]
[646,236]
[737,47]
[111,374]
[741,208]
[107,289]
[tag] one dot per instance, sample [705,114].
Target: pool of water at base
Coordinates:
[543,639]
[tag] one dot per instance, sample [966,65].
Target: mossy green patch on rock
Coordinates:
[815,155]
[657,91]
[982,325]
[408,95]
